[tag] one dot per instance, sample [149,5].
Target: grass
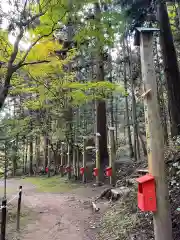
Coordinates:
[53,184]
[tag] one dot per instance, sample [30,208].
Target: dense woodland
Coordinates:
[71,69]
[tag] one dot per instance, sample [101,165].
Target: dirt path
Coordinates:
[60,216]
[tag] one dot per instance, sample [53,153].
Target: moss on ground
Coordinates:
[53,184]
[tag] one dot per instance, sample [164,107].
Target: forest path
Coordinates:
[59,215]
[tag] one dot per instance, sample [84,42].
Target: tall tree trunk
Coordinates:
[100,104]
[143,143]
[46,146]
[171,68]
[31,155]
[131,152]
[134,113]
[70,34]
[26,156]
[37,153]
[24,153]
[178,12]
[161,100]
[111,97]
[31,148]
[116,122]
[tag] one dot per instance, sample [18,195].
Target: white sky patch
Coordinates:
[9,9]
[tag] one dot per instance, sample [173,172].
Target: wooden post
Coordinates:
[19,208]
[154,134]
[84,160]
[62,160]
[69,162]
[74,163]
[3,219]
[77,157]
[98,158]
[112,155]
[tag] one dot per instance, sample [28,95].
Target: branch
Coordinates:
[25,4]
[35,42]
[38,81]
[26,23]
[34,63]
[16,48]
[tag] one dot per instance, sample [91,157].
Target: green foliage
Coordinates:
[43,89]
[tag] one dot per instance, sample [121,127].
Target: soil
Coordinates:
[61,215]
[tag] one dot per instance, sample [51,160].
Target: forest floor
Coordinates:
[53,209]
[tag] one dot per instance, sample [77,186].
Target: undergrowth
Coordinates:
[123,221]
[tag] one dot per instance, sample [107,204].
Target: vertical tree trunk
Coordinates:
[131,152]
[15,155]
[161,98]
[31,155]
[111,98]
[46,146]
[24,153]
[26,156]
[100,104]
[143,144]
[70,34]
[134,114]
[37,153]
[178,12]
[171,68]
[116,122]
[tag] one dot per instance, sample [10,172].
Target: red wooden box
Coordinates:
[95,172]
[109,171]
[82,170]
[146,193]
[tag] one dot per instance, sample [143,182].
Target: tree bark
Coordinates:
[31,156]
[161,100]
[26,156]
[143,143]
[131,152]
[46,146]
[134,113]
[100,104]
[178,12]
[37,154]
[171,68]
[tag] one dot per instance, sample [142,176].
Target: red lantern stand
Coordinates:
[97,168]
[83,172]
[74,163]
[68,167]
[110,171]
[62,159]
